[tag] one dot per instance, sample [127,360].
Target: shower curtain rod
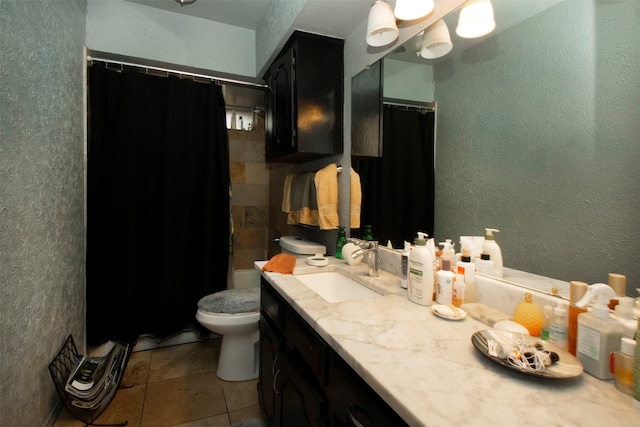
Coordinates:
[428,106]
[147,68]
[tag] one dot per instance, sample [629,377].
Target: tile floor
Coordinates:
[177,387]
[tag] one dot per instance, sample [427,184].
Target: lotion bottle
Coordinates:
[421,274]
[405,265]
[559,327]
[598,334]
[491,247]
[485,266]
[446,278]
[447,246]
[458,290]
[468,268]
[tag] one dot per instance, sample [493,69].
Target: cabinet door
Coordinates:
[303,404]
[354,403]
[268,394]
[281,107]
[366,112]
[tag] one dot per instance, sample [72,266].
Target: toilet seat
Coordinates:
[232,302]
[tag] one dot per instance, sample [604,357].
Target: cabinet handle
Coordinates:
[353,410]
[275,378]
[273,366]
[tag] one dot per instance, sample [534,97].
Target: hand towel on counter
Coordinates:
[303,200]
[356,199]
[281,263]
[326,183]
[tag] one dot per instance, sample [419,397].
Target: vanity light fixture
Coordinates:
[436,41]
[381,24]
[476,19]
[406,10]
[183,2]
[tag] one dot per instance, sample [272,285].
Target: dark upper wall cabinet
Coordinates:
[366,112]
[305,103]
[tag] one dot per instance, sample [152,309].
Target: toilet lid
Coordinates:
[231,301]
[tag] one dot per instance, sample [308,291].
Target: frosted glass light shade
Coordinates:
[476,19]
[407,10]
[381,25]
[436,41]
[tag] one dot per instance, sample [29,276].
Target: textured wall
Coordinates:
[41,199]
[131,29]
[538,137]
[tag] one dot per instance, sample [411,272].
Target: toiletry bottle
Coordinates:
[598,334]
[491,247]
[368,235]
[547,312]
[420,283]
[529,315]
[624,314]
[559,326]
[468,268]
[617,282]
[458,290]
[448,246]
[446,278]
[484,265]
[340,242]
[405,265]
[576,292]
[623,365]
[241,126]
[232,125]
[431,247]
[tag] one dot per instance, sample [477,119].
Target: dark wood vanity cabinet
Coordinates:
[303,381]
[304,107]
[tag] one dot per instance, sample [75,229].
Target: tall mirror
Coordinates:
[537,135]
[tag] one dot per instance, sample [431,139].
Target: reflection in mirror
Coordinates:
[537,136]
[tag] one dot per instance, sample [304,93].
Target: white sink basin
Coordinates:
[334,287]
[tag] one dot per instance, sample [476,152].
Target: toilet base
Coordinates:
[239,357]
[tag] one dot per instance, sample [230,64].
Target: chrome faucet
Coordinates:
[371,248]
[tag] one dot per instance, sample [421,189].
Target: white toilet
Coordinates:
[234,314]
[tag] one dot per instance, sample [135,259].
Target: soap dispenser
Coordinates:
[448,247]
[420,283]
[598,334]
[491,247]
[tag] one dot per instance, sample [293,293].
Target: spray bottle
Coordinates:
[491,247]
[598,334]
[420,283]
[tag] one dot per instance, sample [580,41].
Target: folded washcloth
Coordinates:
[281,263]
[326,182]
[356,199]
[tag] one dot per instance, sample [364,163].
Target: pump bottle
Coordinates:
[447,247]
[559,326]
[491,247]
[598,334]
[421,274]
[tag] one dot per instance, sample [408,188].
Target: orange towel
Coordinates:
[281,263]
[326,181]
[356,199]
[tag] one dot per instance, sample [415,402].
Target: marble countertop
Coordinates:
[427,369]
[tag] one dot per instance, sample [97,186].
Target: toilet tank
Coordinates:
[298,246]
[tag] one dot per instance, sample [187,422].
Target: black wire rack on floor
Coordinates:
[62,367]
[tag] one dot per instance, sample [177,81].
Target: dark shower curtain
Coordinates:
[398,188]
[158,218]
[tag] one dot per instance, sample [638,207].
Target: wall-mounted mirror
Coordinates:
[537,136]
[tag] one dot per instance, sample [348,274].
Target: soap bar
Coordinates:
[484,313]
